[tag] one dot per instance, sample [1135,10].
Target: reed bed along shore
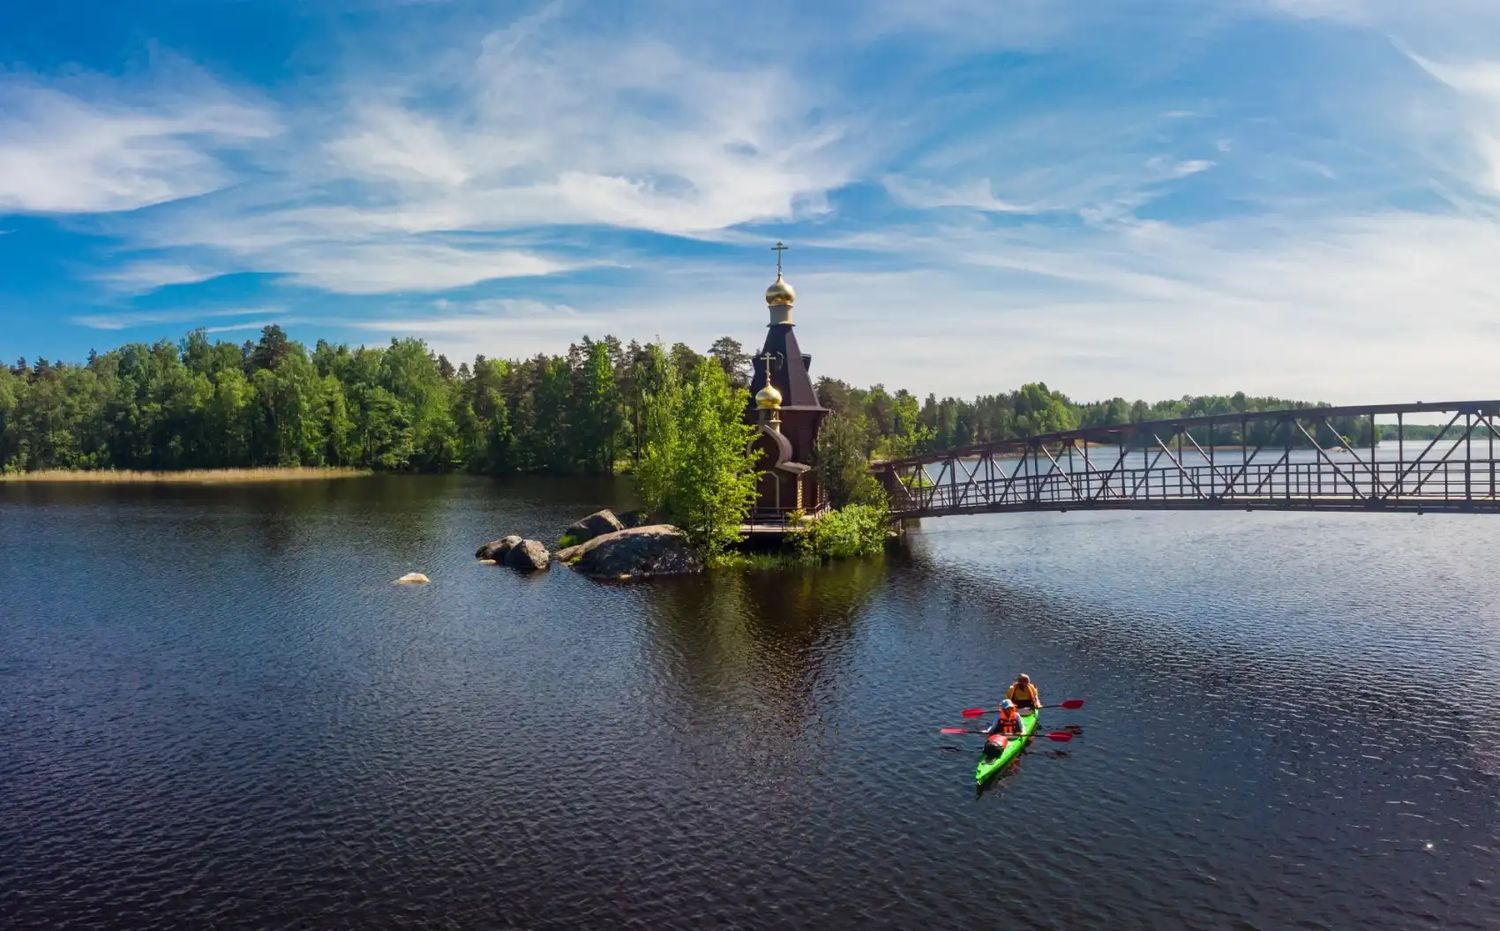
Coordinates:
[185,476]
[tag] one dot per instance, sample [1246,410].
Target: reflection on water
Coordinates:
[217,710]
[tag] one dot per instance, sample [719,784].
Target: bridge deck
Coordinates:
[1277,460]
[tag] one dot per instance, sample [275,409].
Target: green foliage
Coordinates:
[918,479]
[842,461]
[855,530]
[899,427]
[596,406]
[204,404]
[696,469]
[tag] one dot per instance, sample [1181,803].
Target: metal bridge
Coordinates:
[1309,459]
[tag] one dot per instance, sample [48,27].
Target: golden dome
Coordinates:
[768,398]
[780,292]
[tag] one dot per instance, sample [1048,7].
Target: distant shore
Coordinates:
[184,476]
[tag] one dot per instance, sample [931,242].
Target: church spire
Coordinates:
[779,296]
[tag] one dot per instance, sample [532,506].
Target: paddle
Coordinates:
[1059,736]
[1072,704]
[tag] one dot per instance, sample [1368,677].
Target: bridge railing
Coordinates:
[1470,485]
[1305,460]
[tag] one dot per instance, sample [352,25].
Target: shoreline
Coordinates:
[182,476]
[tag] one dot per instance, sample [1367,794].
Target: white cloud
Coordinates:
[127,320]
[1478,85]
[1053,211]
[546,123]
[978,194]
[1396,306]
[391,143]
[381,267]
[515,134]
[92,147]
[251,325]
[150,275]
[1169,169]
[497,329]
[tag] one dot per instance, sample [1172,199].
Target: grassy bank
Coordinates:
[184,477]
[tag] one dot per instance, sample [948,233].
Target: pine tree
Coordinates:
[597,411]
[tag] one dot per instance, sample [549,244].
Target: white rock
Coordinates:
[413,578]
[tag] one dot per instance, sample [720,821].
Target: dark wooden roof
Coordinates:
[788,372]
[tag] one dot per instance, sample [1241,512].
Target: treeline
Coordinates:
[205,404]
[895,424]
[202,404]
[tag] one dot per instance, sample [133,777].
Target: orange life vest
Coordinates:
[1023,695]
[1009,723]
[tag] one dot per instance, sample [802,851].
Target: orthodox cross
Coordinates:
[779,248]
[768,357]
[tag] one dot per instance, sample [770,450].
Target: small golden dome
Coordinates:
[768,398]
[780,292]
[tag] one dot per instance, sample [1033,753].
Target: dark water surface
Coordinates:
[217,711]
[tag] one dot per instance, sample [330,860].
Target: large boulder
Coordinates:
[634,553]
[528,556]
[596,524]
[496,549]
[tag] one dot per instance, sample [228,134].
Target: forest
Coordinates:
[198,403]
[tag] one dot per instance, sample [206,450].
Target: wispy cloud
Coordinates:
[977,194]
[127,320]
[1478,84]
[149,275]
[251,325]
[381,267]
[530,127]
[88,145]
[1081,192]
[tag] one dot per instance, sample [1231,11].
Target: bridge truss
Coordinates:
[1310,459]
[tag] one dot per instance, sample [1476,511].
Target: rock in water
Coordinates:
[596,524]
[528,556]
[496,549]
[413,578]
[636,553]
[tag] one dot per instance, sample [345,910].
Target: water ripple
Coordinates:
[224,715]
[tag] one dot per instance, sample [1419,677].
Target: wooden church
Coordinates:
[786,414]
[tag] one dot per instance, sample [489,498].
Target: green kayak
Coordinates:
[991,761]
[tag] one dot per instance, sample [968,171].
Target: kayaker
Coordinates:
[1023,693]
[1009,722]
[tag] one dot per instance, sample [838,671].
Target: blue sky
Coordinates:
[1297,197]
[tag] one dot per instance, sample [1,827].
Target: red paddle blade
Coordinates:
[1072,703]
[974,712]
[1059,736]
[955,730]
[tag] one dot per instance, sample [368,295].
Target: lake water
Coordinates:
[217,711]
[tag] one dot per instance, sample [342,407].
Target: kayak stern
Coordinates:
[991,761]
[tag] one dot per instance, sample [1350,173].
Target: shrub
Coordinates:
[855,530]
